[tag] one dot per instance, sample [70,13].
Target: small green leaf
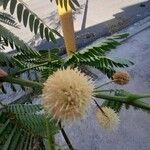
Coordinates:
[25,17]
[61,3]
[47,34]
[76,2]
[12,6]
[27,142]
[31,22]
[19,12]
[71,5]
[6,146]
[5,3]
[2,128]
[20,146]
[120,36]
[16,140]
[36,24]
[65,4]
[41,30]
[54,50]
[57,33]
[52,37]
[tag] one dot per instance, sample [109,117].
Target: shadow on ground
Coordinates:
[85,36]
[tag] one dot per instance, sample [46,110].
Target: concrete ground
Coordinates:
[134,130]
[94,19]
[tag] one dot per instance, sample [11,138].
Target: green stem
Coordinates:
[20,81]
[126,99]
[143,96]
[45,62]
[104,84]
[50,137]
[26,69]
[96,91]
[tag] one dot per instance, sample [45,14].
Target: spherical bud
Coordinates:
[121,78]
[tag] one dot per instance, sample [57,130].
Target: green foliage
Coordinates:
[117,106]
[28,58]
[32,117]
[23,52]
[22,124]
[95,57]
[48,62]
[53,60]
[15,43]
[28,17]
[8,19]
[114,105]
[12,136]
[63,3]
[45,62]
[5,60]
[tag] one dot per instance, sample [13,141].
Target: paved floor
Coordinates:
[134,129]
[94,19]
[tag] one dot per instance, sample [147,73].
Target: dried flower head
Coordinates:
[67,94]
[3,73]
[121,78]
[108,119]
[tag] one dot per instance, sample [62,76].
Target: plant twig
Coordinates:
[49,136]
[105,84]
[131,100]
[65,137]
[29,68]
[100,108]
[111,90]
[20,81]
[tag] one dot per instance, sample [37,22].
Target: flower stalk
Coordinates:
[104,84]
[65,137]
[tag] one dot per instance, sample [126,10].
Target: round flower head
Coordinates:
[121,78]
[67,94]
[108,119]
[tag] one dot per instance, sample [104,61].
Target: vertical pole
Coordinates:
[66,19]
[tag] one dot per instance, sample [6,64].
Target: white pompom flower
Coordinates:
[67,94]
[107,118]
